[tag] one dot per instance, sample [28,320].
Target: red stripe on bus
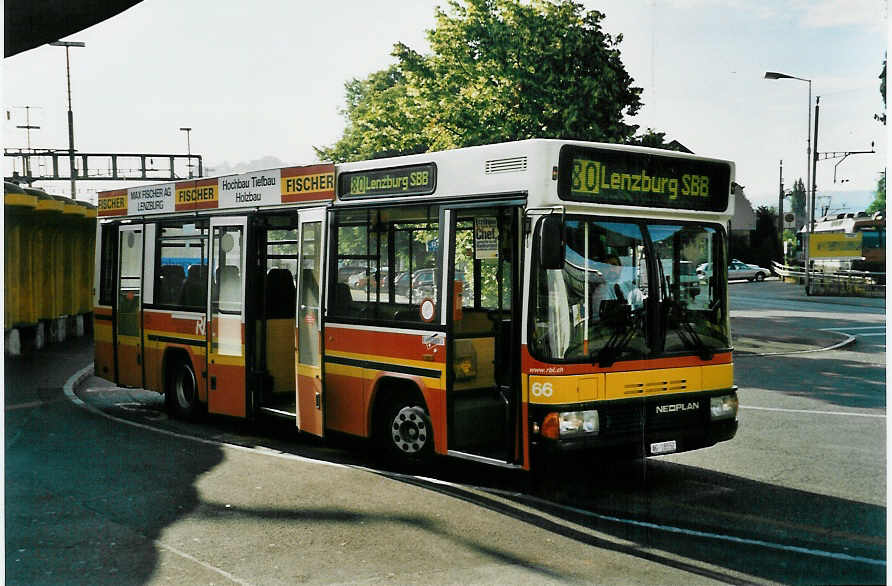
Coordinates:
[389,344]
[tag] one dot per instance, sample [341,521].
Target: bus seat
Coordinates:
[171,280]
[343,297]
[279,314]
[280,294]
[194,292]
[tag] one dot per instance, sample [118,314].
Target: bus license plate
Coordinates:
[662,447]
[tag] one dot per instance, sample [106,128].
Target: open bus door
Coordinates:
[226,302]
[482,293]
[128,317]
[308,351]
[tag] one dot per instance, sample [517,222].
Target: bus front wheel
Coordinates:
[181,393]
[405,432]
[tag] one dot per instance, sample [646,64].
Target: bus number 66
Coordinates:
[542,390]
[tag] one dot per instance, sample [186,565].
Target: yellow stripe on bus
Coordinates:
[642,383]
[555,390]
[718,376]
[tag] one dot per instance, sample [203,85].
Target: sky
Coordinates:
[260,83]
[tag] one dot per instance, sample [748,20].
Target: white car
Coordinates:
[737,270]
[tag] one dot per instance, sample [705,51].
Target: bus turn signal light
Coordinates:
[551,427]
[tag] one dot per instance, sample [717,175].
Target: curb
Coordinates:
[849,340]
[74,381]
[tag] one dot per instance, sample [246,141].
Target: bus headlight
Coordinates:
[723,407]
[570,424]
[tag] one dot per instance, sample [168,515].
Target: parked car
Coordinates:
[358,279]
[362,279]
[737,270]
[402,283]
[346,271]
[423,283]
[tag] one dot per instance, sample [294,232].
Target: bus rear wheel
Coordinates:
[405,433]
[181,391]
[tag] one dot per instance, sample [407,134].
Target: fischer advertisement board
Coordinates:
[253,189]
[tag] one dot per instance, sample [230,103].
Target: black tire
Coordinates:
[405,435]
[181,391]
[759,277]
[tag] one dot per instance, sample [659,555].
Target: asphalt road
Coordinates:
[120,494]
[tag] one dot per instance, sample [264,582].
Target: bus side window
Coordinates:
[386,264]
[181,275]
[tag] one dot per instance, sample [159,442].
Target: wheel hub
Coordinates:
[185,387]
[409,430]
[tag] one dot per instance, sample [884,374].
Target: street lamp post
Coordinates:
[809,167]
[188,130]
[780,211]
[68,44]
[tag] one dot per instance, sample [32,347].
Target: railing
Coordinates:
[841,282]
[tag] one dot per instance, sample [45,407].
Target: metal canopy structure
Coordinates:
[54,165]
[30,23]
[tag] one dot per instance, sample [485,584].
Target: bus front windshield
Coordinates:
[632,290]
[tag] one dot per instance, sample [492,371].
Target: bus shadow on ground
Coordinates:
[660,511]
[674,514]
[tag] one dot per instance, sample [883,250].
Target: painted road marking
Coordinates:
[716,536]
[24,405]
[813,412]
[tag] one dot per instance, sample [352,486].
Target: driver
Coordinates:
[614,287]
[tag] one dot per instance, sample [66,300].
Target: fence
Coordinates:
[837,283]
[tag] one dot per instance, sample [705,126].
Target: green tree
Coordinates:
[652,138]
[765,238]
[498,70]
[382,118]
[879,202]
[798,200]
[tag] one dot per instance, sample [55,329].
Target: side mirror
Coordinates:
[551,243]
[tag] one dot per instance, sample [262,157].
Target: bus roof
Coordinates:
[620,180]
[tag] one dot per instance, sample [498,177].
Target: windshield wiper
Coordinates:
[688,334]
[618,315]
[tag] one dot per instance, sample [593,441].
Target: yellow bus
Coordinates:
[497,303]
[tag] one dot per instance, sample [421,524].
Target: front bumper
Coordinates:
[631,427]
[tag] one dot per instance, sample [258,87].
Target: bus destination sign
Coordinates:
[643,179]
[410,180]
